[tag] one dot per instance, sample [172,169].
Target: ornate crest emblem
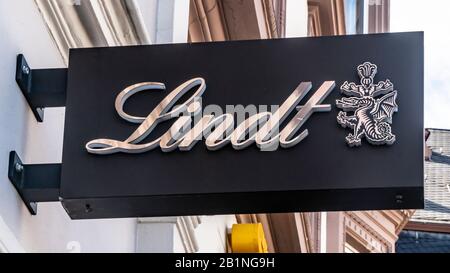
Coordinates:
[371,116]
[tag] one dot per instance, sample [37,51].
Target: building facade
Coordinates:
[428,230]
[44,31]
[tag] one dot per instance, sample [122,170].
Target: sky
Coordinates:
[432,17]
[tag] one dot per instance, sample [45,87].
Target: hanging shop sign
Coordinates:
[289,125]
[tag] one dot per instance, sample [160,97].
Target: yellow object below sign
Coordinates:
[248,238]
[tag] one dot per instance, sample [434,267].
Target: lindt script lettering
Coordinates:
[191,124]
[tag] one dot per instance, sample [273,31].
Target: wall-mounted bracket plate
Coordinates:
[41,87]
[34,182]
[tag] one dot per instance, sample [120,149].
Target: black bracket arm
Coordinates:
[34,182]
[41,87]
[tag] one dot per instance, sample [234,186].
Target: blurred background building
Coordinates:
[45,30]
[428,231]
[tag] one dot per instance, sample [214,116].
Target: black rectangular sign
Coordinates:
[363,149]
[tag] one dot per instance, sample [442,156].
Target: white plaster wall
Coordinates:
[212,233]
[158,237]
[163,234]
[23,31]
[148,9]
[296,18]
[172,22]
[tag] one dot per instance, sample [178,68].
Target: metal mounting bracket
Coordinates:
[34,182]
[41,87]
